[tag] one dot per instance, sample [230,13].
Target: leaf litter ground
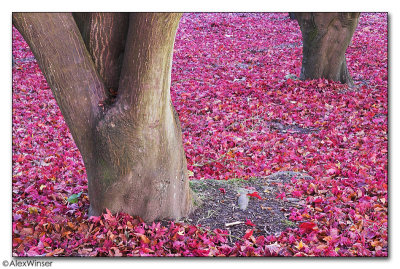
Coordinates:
[244,116]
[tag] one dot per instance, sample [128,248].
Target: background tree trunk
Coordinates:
[132,145]
[326,37]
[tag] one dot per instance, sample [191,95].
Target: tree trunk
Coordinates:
[131,142]
[326,37]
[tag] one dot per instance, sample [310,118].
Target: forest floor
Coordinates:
[245,117]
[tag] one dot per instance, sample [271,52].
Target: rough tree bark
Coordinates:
[326,37]
[110,75]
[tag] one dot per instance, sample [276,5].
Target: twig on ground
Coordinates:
[233,223]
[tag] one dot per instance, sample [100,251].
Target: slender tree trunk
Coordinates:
[131,143]
[326,37]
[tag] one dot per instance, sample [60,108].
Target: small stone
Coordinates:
[243,200]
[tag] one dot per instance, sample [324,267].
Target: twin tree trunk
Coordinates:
[110,74]
[326,37]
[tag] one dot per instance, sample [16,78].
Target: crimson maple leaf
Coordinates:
[248,222]
[307,227]
[248,234]
[255,194]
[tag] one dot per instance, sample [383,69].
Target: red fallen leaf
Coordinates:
[71,225]
[33,252]
[255,194]
[20,158]
[94,218]
[26,231]
[307,226]
[222,190]
[115,252]
[318,209]
[16,241]
[331,171]
[55,252]
[248,222]
[296,194]
[108,215]
[57,227]
[248,234]
[318,200]
[327,238]
[87,252]
[282,195]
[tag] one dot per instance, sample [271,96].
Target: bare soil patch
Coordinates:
[218,204]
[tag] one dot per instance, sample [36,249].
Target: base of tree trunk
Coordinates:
[142,171]
[325,70]
[326,37]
